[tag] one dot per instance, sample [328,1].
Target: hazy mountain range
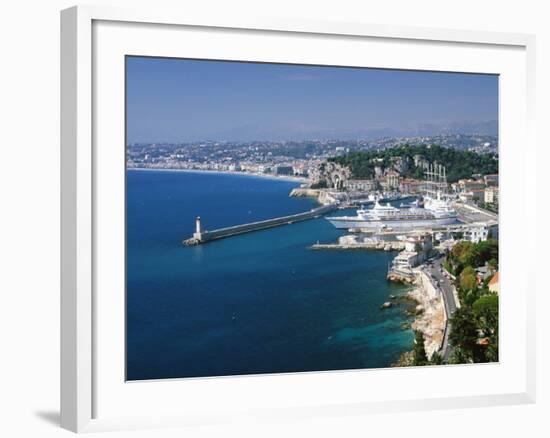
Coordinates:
[297,131]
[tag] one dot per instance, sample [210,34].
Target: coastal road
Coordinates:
[443,283]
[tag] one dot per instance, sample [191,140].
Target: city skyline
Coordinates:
[176,100]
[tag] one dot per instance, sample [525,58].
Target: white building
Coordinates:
[405,260]
[491,195]
[419,243]
[479,232]
[416,252]
[361,185]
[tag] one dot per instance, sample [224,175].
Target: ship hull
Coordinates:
[347,223]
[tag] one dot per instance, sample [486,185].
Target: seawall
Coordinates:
[207,236]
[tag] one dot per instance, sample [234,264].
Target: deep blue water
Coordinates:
[256,303]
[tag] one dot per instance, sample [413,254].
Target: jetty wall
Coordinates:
[220,233]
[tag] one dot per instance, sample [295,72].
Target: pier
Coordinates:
[200,236]
[382,245]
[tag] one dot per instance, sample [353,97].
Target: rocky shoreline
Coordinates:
[429,320]
[323,197]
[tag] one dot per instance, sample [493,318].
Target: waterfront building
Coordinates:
[405,261]
[478,194]
[300,169]
[284,170]
[417,249]
[466,196]
[419,243]
[491,195]
[361,185]
[468,185]
[264,169]
[413,186]
[477,233]
[405,185]
[392,180]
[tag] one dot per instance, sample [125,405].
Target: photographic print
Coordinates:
[287,218]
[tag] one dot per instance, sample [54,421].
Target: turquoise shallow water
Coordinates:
[256,303]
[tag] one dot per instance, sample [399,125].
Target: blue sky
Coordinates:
[176,100]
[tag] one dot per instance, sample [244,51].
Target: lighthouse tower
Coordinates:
[198,234]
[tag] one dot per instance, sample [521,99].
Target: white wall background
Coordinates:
[29,215]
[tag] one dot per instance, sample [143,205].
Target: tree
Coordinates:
[471,257]
[436,359]
[419,352]
[459,356]
[487,250]
[468,279]
[464,332]
[464,254]
[491,354]
[485,310]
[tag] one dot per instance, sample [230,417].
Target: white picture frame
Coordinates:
[84,175]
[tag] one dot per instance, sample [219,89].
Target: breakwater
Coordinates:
[200,236]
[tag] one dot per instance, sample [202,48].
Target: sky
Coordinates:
[178,100]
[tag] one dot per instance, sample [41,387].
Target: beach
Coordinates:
[297,179]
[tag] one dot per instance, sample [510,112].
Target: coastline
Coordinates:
[295,179]
[430,319]
[430,316]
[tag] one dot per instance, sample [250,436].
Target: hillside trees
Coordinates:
[459,164]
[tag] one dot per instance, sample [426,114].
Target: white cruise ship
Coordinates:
[434,210]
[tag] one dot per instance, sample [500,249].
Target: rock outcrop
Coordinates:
[430,318]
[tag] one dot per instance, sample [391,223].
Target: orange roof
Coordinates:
[494,280]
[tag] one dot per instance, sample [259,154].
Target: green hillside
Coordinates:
[459,164]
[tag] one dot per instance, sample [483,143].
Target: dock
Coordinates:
[382,245]
[200,236]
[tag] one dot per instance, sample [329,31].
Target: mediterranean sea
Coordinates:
[261,302]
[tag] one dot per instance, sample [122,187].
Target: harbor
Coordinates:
[330,202]
[422,232]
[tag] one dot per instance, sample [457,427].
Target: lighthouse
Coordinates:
[197,235]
